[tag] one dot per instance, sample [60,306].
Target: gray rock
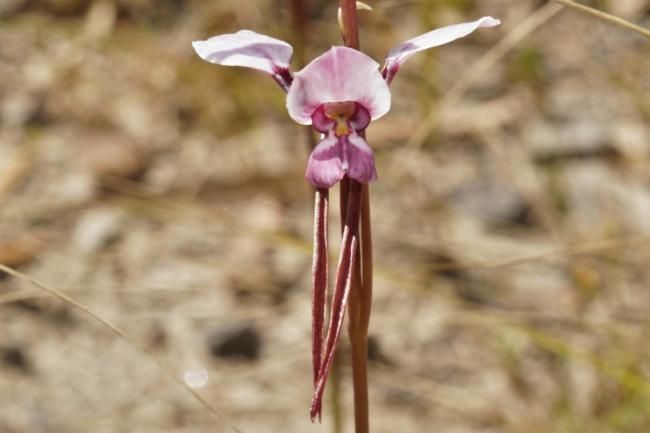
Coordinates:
[240,342]
[496,203]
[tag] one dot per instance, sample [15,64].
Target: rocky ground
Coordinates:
[511,222]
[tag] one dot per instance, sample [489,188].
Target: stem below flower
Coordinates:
[361,297]
[350,24]
[359,317]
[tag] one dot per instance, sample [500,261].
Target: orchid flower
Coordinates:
[339,94]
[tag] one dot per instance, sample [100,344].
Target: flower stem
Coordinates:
[299,21]
[361,290]
[350,25]
[359,317]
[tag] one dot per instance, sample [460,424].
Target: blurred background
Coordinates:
[511,221]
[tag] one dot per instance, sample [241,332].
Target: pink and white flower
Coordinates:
[339,93]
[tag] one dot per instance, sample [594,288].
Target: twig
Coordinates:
[120,333]
[605,17]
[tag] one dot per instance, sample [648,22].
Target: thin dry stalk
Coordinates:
[605,17]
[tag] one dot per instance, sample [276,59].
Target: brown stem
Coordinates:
[350,25]
[359,348]
[359,315]
[359,309]
[361,291]
[299,21]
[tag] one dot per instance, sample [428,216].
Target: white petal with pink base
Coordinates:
[248,49]
[444,35]
[341,74]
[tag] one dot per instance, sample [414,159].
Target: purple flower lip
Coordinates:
[343,117]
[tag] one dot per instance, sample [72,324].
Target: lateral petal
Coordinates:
[434,38]
[248,49]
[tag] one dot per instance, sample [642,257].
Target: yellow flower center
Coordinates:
[340,112]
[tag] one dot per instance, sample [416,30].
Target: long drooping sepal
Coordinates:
[319,278]
[250,50]
[398,55]
[344,275]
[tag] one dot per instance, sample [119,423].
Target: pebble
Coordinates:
[96,228]
[240,342]
[492,202]
[112,154]
[16,358]
[17,249]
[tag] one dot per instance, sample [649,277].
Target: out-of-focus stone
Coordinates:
[628,9]
[580,138]
[97,228]
[17,249]
[631,138]
[65,7]
[17,109]
[111,154]
[16,358]
[100,19]
[241,342]
[492,202]
[7,7]
[596,194]
[73,189]
[14,167]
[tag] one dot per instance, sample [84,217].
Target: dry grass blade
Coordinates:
[605,17]
[586,248]
[119,332]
